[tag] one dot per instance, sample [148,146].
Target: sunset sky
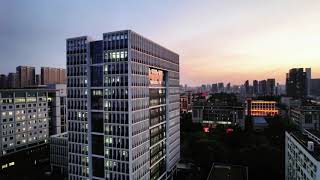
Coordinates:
[228,41]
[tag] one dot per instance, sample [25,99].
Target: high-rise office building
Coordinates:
[123,108]
[228,88]
[315,87]
[214,88]
[12,80]
[221,87]
[255,87]
[308,76]
[3,81]
[51,75]
[263,87]
[271,84]
[247,87]
[297,82]
[26,76]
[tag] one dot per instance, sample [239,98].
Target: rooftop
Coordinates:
[302,138]
[61,135]
[228,172]
[259,120]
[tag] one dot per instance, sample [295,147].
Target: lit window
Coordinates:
[4,166]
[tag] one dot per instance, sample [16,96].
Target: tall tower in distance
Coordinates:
[298,82]
[123,108]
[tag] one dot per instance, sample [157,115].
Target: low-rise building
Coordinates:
[302,155]
[259,123]
[218,109]
[306,116]
[59,153]
[290,102]
[261,108]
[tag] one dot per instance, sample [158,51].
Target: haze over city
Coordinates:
[228,41]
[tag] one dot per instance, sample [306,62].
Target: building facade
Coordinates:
[184,104]
[255,87]
[302,155]
[315,87]
[59,153]
[271,84]
[51,75]
[297,82]
[3,81]
[24,127]
[261,108]
[217,109]
[306,116]
[57,108]
[123,108]
[26,76]
[12,81]
[263,87]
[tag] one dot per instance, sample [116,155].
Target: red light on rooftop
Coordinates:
[206,129]
[229,130]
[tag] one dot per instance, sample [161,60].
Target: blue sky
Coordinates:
[217,40]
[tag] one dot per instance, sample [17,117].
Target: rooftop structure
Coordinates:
[302,155]
[228,172]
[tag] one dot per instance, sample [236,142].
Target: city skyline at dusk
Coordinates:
[159,90]
[217,41]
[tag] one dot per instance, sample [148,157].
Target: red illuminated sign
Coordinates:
[206,129]
[156,77]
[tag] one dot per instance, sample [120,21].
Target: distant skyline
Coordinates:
[218,41]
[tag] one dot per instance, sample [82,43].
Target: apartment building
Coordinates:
[123,108]
[25,76]
[51,75]
[302,155]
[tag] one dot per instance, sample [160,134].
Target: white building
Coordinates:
[24,129]
[302,155]
[24,119]
[123,108]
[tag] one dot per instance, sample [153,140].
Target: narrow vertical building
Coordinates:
[3,81]
[271,84]
[12,81]
[123,108]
